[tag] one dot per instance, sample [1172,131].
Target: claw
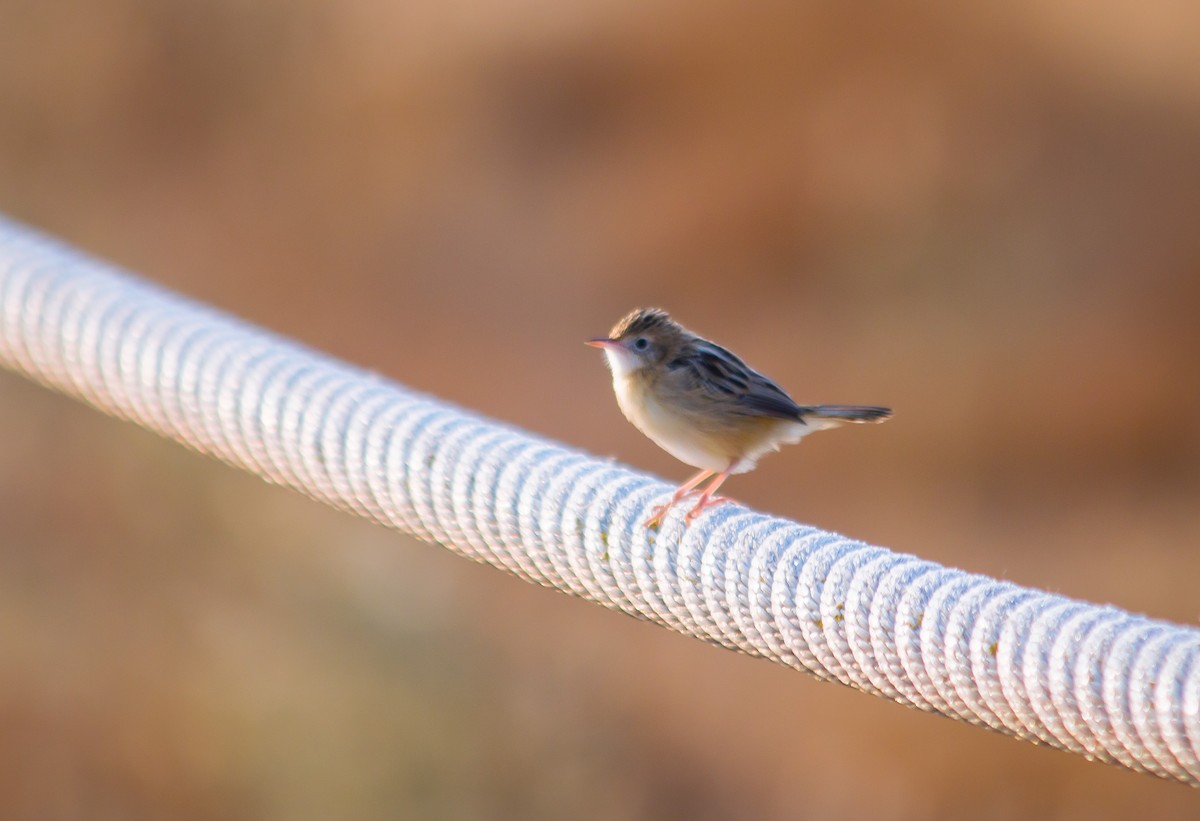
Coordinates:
[656,517]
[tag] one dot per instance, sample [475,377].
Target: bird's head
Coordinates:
[646,338]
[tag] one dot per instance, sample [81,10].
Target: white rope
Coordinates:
[1094,680]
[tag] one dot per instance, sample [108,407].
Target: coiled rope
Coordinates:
[1094,680]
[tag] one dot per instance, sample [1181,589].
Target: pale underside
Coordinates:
[706,441]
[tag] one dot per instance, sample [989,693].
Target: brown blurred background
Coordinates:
[985,217]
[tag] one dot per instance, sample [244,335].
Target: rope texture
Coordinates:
[1091,679]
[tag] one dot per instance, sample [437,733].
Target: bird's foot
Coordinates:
[703,505]
[660,511]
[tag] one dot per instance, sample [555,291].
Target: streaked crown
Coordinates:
[653,321]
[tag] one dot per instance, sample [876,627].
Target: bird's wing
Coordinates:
[736,387]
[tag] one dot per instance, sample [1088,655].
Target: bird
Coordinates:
[703,405]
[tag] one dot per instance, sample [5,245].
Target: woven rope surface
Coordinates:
[1091,679]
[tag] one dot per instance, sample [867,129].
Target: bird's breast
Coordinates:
[668,427]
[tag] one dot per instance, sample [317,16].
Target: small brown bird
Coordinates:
[703,405]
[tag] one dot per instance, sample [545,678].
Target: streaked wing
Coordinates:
[738,388]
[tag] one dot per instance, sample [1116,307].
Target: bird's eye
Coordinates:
[641,343]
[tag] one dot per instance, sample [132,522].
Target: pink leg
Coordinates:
[707,499]
[684,489]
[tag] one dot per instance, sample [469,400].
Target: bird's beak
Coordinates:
[602,342]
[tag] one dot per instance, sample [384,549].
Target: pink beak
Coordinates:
[602,342]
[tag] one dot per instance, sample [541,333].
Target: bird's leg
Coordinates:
[687,487]
[707,499]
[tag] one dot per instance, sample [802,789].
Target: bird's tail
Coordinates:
[846,413]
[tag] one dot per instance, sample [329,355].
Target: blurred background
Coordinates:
[984,216]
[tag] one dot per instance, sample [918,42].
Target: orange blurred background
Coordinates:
[984,217]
